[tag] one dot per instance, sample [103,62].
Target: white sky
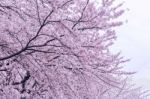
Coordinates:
[134,40]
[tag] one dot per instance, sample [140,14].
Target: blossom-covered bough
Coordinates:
[59,49]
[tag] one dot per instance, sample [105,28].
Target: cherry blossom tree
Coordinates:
[59,49]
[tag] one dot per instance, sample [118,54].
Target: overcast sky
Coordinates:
[134,40]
